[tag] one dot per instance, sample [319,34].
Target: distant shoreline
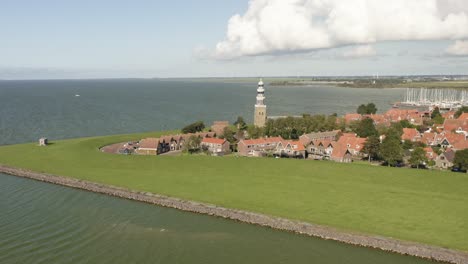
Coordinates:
[328,233]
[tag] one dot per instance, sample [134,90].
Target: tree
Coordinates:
[368,109]
[461,159]
[240,123]
[390,149]
[193,144]
[408,144]
[438,119]
[436,116]
[460,111]
[435,112]
[362,109]
[371,108]
[372,147]
[418,157]
[194,127]
[255,132]
[229,135]
[406,124]
[366,128]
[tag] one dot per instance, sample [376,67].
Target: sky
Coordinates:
[66,39]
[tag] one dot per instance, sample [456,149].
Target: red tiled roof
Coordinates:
[355,143]
[463,116]
[454,137]
[459,145]
[410,134]
[430,154]
[149,143]
[295,144]
[448,115]
[339,151]
[428,138]
[454,124]
[213,140]
[352,117]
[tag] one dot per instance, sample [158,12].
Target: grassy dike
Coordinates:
[422,206]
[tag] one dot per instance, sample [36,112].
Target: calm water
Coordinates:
[43,223]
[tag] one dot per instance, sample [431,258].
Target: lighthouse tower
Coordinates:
[260,107]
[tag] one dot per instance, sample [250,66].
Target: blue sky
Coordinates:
[108,39]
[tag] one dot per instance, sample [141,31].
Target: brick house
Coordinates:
[216,146]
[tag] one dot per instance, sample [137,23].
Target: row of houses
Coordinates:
[451,137]
[414,116]
[275,146]
[343,147]
[331,145]
[164,144]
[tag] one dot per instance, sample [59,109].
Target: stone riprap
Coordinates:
[371,241]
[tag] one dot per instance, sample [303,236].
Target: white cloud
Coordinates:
[283,26]
[459,48]
[360,52]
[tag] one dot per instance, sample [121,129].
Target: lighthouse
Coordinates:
[260,107]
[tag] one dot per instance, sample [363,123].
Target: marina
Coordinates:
[447,99]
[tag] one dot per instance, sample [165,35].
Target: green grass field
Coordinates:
[415,205]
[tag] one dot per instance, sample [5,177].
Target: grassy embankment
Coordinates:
[416,205]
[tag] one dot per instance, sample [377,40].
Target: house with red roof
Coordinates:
[463,116]
[148,146]
[216,146]
[349,118]
[320,149]
[451,139]
[353,144]
[459,126]
[448,115]
[341,154]
[414,116]
[379,119]
[429,138]
[430,154]
[411,134]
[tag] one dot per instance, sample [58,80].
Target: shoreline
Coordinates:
[323,232]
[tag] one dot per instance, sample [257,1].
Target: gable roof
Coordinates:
[149,143]
[463,116]
[449,155]
[410,134]
[213,140]
[295,145]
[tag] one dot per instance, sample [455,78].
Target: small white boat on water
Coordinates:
[77,95]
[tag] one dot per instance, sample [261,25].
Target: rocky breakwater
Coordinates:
[377,242]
